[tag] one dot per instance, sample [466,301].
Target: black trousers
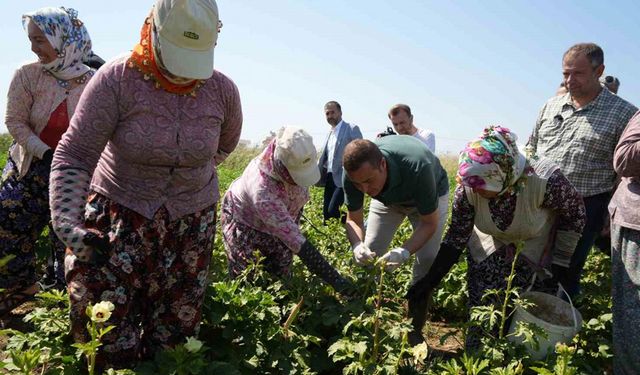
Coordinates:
[333,199]
[596,207]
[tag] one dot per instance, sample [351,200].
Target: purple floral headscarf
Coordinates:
[272,166]
[67,35]
[491,162]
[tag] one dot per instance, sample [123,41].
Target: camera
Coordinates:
[388,131]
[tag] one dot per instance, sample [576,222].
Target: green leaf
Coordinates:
[253,362]
[360,347]
[337,346]
[420,352]
[541,370]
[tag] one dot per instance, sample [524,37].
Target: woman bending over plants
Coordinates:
[503,198]
[262,209]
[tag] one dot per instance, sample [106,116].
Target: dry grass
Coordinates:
[449,162]
[242,155]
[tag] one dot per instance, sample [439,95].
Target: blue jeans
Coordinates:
[596,208]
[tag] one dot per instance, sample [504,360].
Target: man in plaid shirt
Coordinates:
[579,131]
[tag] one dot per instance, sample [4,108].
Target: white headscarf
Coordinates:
[67,35]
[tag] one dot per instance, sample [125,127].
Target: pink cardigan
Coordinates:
[33,96]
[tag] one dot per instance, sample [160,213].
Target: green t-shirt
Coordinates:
[415,177]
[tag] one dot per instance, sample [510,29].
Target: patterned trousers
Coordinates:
[24,213]
[241,241]
[625,275]
[156,278]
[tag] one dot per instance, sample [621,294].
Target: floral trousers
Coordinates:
[24,213]
[156,277]
[241,241]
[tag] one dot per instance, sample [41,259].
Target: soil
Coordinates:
[452,345]
[550,313]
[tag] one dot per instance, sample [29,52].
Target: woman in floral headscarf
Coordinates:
[503,199]
[42,98]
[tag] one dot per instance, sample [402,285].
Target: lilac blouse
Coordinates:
[625,204]
[151,148]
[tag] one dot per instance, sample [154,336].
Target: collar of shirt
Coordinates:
[336,129]
[393,176]
[332,141]
[602,98]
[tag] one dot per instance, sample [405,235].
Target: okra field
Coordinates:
[300,325]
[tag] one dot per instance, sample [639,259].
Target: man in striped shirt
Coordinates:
[579,131]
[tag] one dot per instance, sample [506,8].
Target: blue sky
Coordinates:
[460,65]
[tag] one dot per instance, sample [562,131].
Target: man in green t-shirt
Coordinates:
[404,179]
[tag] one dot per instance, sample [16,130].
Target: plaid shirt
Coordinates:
[582,141]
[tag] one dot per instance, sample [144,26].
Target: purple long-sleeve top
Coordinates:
[625,204]
[149,148]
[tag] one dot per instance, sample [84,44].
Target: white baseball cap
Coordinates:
[294,147]
[187,31]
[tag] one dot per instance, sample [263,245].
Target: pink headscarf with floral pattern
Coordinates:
[491,162]
[272,166]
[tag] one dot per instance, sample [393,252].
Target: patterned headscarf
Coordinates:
[272,166]
[68,37]
[492,162]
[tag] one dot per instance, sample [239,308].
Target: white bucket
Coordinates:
[559,319]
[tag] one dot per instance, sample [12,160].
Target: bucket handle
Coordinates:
[560,289]
[573,309]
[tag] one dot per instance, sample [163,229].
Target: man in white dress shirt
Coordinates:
[330,162]
[402,120]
